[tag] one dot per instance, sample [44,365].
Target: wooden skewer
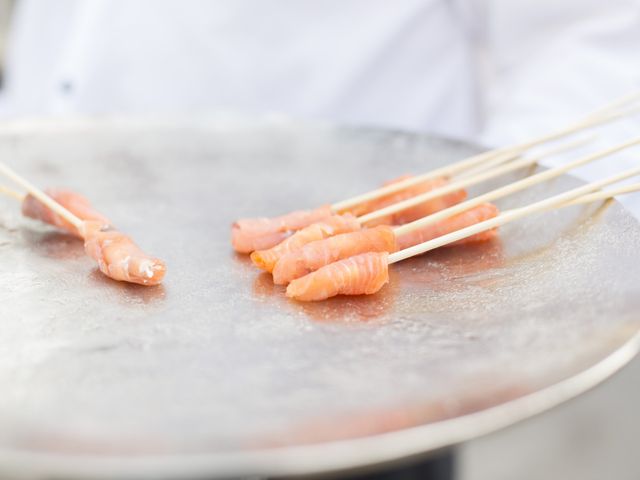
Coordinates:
[497,160]
[598,117]
[40,195]
[605,195]
[463,183]
[511,188]
[11,193]
[502,159]
[511,215]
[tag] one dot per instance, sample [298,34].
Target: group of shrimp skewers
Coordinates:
[118,257]
[346,248]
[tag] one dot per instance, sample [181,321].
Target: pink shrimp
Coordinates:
[119,257]
[317,254]
[413,213]
[362,274]
[336,224]
[477,214]
[250,234]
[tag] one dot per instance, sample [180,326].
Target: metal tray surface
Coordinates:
[216,373]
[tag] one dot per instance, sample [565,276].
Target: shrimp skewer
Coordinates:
[367,273]
[117,255]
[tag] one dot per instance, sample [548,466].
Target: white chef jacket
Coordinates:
[348,61]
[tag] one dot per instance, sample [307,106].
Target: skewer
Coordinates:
[505,158]
[508,216]
[465,182]
[11,193]
[598,117]
[509,189]
[605,195]
[40,195]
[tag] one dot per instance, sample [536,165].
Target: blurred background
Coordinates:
[491,72]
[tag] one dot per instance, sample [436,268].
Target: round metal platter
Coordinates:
[215,373]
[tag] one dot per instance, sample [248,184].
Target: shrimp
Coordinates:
[267,259]
[477,214]
[413,213]
[362,274]
[74,202]
[119,257]
[317,254]
[250,234]
[431,206]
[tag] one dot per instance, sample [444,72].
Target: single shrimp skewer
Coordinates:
[368,272]
[117,255]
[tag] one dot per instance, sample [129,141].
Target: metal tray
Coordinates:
[216,373]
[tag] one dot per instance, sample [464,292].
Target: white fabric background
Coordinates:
[350,61]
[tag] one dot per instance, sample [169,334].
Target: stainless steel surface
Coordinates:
[217,373]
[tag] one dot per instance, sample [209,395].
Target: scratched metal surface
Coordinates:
[216,371]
